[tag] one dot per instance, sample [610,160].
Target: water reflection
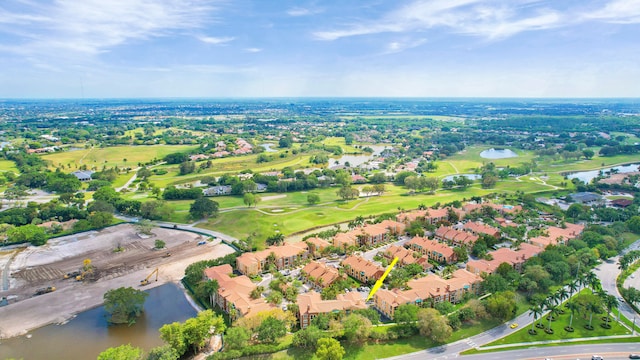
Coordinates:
[85,336]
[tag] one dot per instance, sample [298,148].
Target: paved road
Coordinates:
[607,351]
[608,272]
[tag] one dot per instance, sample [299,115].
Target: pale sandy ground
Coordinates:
[74,297]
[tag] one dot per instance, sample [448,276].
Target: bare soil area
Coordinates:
[36,267]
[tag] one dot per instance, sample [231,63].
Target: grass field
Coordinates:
[8,165]
[293,214]
[113,156]
[233,164]
[347,149]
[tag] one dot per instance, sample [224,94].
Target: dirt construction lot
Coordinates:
[26,270]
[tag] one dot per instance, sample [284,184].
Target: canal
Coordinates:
[88,334]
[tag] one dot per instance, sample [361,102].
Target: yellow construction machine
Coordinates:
[146,280]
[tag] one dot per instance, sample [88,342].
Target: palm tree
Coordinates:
[552,309]
[592,280]
[611,303]
[535,311]
[573,287]
[596,285]
[563,294]
[572,306]
[593,308]
[582,281]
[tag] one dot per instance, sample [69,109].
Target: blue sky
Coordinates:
[276,48]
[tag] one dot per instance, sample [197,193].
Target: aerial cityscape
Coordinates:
[319,180]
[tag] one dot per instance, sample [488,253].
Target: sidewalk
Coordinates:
[483,348]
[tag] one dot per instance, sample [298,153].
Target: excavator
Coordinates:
[146,280]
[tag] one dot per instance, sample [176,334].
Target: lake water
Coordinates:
[357,160]
[468,176]
[268,147]
[498,154]
[587,176]
[88,334]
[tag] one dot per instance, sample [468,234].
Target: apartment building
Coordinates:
[361,269]
[455,237]
[406,257]
[316,246]
[558,235]
[233,295]
[311,305]
[515,258]
[430,288]
[284,256]
[320,275]
[369,234]
[432,249]
[477,228]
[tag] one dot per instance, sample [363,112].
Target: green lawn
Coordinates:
[347,149]
[113,156]
[579,321]
[629,238]
[232,164]
[8,165]
[294,214]
[470,158]
[290,213]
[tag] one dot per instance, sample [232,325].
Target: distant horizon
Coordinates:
[314,97]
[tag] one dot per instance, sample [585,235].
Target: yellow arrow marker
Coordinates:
[379,282]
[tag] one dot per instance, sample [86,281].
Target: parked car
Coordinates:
[634,356]
[202,242]
[596,357]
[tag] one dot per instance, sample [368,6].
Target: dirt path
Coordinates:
[44,266]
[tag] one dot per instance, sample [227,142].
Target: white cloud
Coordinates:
[402,45]
[300,11]
[617,11]
[486,18]
[216,40]
[253,50]
[94,26]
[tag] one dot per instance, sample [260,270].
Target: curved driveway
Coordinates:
[608,272]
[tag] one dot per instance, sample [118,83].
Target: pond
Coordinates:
[498,154]
[587,176]
[468,176]
[85,336]
[268,147]
[357,160]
